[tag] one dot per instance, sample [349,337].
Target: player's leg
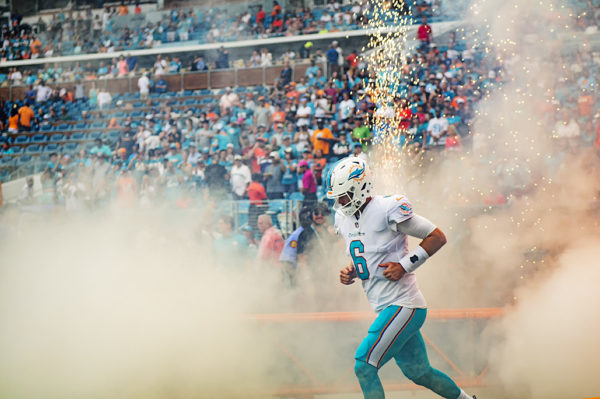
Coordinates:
[392,328]
[414,363]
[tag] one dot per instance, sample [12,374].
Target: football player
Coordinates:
[375,230]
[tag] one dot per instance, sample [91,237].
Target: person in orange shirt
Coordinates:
[36,47]
[13,119]
[26,115]
[123,9]
[278,117]
[320,138]
[126,188]
[585,103]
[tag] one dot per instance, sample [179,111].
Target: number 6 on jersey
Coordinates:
[357,248]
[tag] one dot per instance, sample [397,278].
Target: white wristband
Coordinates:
[411,261]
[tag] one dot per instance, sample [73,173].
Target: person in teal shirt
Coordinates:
[230,248]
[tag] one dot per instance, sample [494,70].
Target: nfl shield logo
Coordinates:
[356,225]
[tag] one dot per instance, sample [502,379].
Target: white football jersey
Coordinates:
[373,240]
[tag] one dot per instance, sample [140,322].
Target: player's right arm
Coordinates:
[348,275]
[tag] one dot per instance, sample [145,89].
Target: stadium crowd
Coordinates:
[85,32]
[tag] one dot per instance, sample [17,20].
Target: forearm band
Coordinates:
[411,261]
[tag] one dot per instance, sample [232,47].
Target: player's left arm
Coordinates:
[433,240]
[402,219]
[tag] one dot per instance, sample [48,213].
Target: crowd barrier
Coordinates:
[345,382]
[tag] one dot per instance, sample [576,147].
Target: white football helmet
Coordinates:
[349,176]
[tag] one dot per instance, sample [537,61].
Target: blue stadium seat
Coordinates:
[57,137]
[114,135]
[46,128]
[21,140]
[78,136]
[7,161]
[98,125]
[24,159]
[119,114]
[81,125]
[32,149]
[71,148]
[63,126]
[39,138]
[52,147]
[95,135]
[138,104]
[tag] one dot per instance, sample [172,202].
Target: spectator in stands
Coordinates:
[288,179]
[240,178]
[26,117]
[321,138]
[424,34]
[309,183]
[313,243]
[199,64]
[342,148]
[123,9]
[271,242]
[160,66]
[228,100]
[215,175]
[122,68]
[358,152]
[43,92]
[266,58]
[255,60]
[222,59]
[273,177]
[257,195]
[361,133]
[13,119]
[161,84]
[304,113]
[437,130]
[332,59]
[229,247]
[260,20]
[286,75]
[144,86]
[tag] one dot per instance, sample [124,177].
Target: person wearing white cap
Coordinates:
[240,177]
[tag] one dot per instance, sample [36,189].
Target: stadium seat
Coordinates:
[95,135]
[32,149]
[98,125]
[46,128]
[7,161]
[63,126]
[52,147]
[24,159]
[71,148]
[78,136]
[39,138]
[57,137]
[81,125]
[119,114]
[21,140]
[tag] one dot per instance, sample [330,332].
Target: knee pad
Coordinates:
[364,370]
